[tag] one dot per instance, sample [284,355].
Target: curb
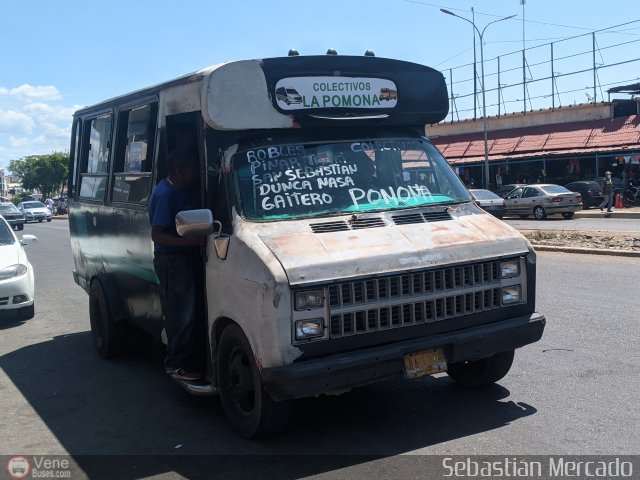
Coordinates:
[588,251]
[615,214]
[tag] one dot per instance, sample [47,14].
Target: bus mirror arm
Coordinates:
[221,242]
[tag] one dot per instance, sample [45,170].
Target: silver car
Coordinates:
[542,200]
[34,211]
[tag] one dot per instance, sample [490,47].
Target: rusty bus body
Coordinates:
[346,250]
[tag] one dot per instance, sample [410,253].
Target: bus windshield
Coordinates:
[289,181]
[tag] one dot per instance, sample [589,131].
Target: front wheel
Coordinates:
[247,405]
[568,215]
[626,203]
[480,373]
[539,213]
[40,221]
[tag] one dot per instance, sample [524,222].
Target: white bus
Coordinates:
[345,250]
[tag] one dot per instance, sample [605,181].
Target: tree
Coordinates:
[47,173]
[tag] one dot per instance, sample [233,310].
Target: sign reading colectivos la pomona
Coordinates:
[303,93]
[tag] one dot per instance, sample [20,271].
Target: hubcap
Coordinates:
[240,381]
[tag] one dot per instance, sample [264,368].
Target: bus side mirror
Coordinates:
[194,223]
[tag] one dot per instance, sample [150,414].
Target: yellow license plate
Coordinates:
[424,363]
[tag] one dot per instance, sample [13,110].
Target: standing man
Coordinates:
[607,192]
[177,261]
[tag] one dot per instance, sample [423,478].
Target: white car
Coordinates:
[16,275]
[34,211]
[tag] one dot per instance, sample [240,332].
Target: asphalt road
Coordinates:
[597,223]
[574,392]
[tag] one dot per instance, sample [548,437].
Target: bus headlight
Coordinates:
[306,329]
[309,300]
[510,269]
[511,294]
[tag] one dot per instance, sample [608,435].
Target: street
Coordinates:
[574,392]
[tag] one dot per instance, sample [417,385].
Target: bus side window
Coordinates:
[74,158]
[134,154]
[96,150]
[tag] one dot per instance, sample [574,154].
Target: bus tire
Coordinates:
[247,405]
[108,335]
[483,372]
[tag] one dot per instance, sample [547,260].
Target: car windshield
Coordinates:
[33,205]
[484,195]
[554,189]
[6,236]
[8,208]
[301,180]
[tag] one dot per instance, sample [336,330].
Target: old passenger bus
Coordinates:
[342,250]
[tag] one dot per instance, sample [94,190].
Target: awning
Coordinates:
[608,135]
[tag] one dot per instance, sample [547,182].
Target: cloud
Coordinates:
[44,92]
[18,142]
[49,113]
[12,121]
[54,130]
[4,91]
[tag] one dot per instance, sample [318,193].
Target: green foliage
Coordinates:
[16,199]
[46,173]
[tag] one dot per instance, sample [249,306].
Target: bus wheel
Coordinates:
[247,405]
[480,373]
[107,334]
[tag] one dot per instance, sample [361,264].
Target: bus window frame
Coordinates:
[83,161]
[119,147]
[74,157]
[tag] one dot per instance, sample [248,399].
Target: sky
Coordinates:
[58,56]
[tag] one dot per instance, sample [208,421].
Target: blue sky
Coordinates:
[60,55]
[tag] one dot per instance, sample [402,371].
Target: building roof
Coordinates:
[607,135]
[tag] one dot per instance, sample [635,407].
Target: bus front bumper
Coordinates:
[340,373]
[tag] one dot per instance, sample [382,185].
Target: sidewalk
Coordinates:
[633,213]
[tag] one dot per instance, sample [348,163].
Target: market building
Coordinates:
[559,145]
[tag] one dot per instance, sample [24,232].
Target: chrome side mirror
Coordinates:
[194,223]
[221,242]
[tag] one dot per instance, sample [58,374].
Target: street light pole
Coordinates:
[487,181]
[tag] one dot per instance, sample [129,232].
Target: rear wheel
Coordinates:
[539,213]
[568,215]
[247,405]
[480,373]
[108,335]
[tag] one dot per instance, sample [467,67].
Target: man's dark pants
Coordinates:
[177,275]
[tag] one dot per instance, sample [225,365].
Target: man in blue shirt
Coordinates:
[177,262]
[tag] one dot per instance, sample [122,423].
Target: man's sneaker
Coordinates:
[182,374]
[601,209]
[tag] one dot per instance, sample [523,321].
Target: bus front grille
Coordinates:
[374,304]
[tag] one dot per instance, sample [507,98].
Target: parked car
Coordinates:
[16,275]
[590,191]
[489,201]
[541,200]
[13,216]
[505,189]
[34,211]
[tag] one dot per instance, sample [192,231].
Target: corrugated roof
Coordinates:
[560,139]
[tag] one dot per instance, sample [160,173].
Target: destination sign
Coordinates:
[308,93]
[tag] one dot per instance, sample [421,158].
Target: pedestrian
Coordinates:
[177,261]
[607,192]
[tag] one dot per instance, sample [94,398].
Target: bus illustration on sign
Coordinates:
[341,248]
[288,95]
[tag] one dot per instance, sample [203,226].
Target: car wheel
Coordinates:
[246,404]
[626,203]
[48,219]
[108,335]
[480,373]
[568,215]
[539,213]
[20,227]
[40,221]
